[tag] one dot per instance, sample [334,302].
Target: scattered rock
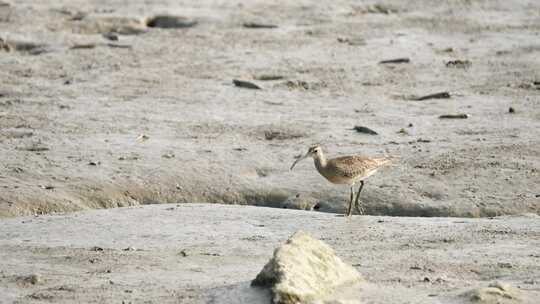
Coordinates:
[403,132]
[66,288]
[78,16]
[454,116]
[46,187]
[96,248]
[365,130]
[440,95]
[378,8]
[396,60]
[245,84]
[534,85]
[263,172]
[34,148]
[352,41]
[445,50]
[269,77]
[93,163]
[460,64]
[256,25]
[511,110]
[305,270]
[282,134]
[183,253]
[297,84]
[169,21]
[496,292]
[112,36]
[129,249]
[32,279]
[73,15]
[142,137]
[168,155]
[83,46]
[129,157]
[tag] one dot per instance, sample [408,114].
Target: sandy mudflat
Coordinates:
[204,253]
[99,108]
[73,103]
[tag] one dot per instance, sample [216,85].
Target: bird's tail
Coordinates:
[390,160]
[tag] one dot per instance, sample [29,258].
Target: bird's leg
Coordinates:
[356,204]
[349,211]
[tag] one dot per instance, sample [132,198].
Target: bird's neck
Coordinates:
[320,161]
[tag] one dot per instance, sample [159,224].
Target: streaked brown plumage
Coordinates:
[345,170]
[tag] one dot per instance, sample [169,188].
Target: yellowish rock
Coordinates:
[305,270]
[497,292]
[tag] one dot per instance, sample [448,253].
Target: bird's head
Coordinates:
[313,152]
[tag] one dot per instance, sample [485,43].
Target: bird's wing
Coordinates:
[351,166]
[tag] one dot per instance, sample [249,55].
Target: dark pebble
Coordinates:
[365,130]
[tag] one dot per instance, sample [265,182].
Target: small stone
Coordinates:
[168,22]
[246,84]
[168,155]
[396,60]
[403,131]
[257,25]
[34,279]
[96,248]
[112,36]
[454,116]
[461,64]
[142,137]
[366,130]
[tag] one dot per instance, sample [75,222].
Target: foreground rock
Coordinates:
[304,270]
[495,293]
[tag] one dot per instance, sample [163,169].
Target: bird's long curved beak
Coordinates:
[298,160]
